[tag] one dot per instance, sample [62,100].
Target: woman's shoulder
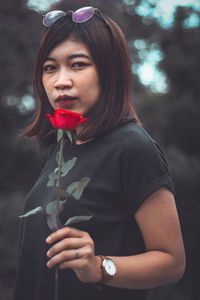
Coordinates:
[132,137]
[134,143]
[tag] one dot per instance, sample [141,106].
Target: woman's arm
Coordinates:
[164,261]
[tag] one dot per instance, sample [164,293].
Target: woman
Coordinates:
[133,241]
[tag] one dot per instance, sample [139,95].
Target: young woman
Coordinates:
[133,241]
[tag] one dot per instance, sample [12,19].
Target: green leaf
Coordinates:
[52,179]
[57,157]
[82,184]
[51,208]
[53,223]
[37,210]
[67,166]
[59,134]
[69,134]
[77,219]
[72,187]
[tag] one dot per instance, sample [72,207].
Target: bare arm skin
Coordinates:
[162,263]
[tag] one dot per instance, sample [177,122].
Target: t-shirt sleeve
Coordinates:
[144,170]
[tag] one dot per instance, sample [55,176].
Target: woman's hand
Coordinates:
[74,249]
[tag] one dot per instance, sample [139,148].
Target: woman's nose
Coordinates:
[63,80]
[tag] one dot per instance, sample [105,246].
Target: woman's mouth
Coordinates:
[65,100]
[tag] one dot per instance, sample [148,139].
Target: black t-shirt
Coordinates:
[125,166]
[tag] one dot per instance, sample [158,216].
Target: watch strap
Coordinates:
[105,276]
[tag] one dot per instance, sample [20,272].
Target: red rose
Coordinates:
[66,119]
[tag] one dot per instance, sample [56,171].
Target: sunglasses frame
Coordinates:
[61,13]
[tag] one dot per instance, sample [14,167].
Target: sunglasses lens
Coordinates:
[83,14]
[52,17]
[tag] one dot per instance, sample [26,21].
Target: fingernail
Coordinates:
[48,254]
[48,240]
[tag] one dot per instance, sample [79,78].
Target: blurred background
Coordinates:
[164,42]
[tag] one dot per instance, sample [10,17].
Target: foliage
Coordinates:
[172,118]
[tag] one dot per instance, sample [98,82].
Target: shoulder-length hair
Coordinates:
[109,51]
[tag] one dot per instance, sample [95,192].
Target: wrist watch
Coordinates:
[108,268]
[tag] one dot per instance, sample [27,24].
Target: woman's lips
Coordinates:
[66,102]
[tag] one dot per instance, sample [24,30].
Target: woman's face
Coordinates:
[70,77]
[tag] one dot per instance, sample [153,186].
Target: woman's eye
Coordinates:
[79,64]
[49,68]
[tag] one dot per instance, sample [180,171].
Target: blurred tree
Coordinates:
[181,48]
[181,63]
[19,31]
[172,118]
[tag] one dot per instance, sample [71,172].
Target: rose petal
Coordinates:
[66,119]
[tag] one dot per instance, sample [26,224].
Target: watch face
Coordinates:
[109,266]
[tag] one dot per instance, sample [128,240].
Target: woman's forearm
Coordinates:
[147,270]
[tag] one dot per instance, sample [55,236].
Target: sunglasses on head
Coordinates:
[79,16]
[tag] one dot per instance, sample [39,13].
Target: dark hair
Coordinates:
[108,48]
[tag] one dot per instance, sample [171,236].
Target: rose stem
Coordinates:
[57,199]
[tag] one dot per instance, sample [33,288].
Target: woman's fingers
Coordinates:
[65,244]
[63,257]
[72,258]
[74,249]
[64,232]
[70,245]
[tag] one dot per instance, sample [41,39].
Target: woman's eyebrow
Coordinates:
[72,56]
[78,55]
[49,58]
